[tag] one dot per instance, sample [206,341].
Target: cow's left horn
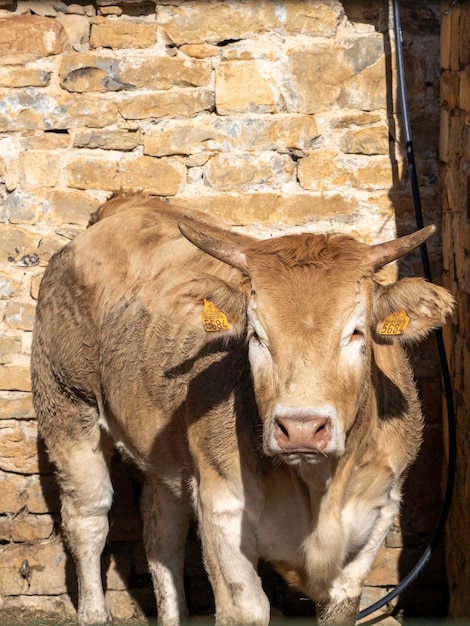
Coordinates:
[226,251]
[384,253]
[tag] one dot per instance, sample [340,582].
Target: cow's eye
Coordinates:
[357,334]
[255,339]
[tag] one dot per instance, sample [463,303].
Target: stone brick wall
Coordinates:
[455,155]
[274,115]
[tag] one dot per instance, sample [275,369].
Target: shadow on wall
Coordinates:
[427,596]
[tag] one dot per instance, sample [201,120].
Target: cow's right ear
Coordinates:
[410,309]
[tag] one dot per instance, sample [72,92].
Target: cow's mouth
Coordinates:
[311,457]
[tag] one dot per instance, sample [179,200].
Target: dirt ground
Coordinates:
[29,617]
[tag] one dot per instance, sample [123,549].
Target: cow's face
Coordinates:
[309,346]
[312,318]
[309,357]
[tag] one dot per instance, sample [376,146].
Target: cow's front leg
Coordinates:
[341,607]
[230,553]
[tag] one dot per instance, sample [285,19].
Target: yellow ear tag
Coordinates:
[395,324]
[213,319]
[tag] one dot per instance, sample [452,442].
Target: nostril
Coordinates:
[282,428]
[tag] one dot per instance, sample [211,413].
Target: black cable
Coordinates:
[439,531]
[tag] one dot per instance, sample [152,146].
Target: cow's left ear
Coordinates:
[409,309]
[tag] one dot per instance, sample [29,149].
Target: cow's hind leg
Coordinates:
[166,514]
[86,494]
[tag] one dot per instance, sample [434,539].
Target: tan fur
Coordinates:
[119,348]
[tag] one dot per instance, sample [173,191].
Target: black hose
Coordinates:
[439,531]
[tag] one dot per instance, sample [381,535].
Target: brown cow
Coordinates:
[261,384]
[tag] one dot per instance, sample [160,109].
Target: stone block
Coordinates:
[21,204]
[19,446]
[69,207]
[364,118]
[43,140]
[378,173]
[320,83]
[122,33]
[212,133]
[16,405]
[166,72]
[200,51]
[76,9]
[163,177]
[235,171]
[316,170]
[324,170]
[77,28]
[25,527]
[276,210]
[15,377]
[83,72]
[122,140]
[25,38]
[112,10]
[33,569]
[306,208]
[174,103]
[366,90]
[10,286]
[368,141]
[121,604]
[34,493]
[31,609]
[385,570]
[188,23]
[243,87]
[9,346]
[38,7]
[155,176]
[20,315]
[92,172]
[24,77]
[36,110]
[313,18]
[39,168]
[25,249]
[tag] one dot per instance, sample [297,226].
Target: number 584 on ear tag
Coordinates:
[213,320]
[394,324]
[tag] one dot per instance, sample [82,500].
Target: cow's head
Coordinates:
[314,313]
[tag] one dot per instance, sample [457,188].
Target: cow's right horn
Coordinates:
[226,251]
[383,253]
